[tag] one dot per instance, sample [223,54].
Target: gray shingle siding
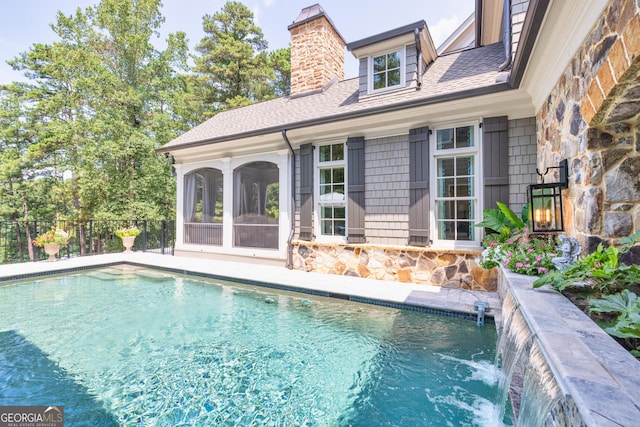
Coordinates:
[387,190]
[411,65]
[363,71]
[522,160]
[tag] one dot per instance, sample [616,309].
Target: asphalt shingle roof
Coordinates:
[458,72]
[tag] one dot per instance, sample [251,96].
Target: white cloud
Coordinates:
[268,3]
[443,29]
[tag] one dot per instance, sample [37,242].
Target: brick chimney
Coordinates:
[317,51]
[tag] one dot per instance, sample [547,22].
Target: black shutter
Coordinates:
[355,183]
[495,153]
[306,192]
[419,187]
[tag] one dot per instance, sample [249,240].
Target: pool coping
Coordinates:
[450,302]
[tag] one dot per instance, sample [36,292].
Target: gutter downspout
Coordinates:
[479,11]
[416,33]
[293,201]
[506,35]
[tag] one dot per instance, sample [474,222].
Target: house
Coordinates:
[385,175]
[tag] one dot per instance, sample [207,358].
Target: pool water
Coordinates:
[125,346]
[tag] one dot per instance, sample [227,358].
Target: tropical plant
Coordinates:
[128,232]
[57,236]
[503,221]
[627,323]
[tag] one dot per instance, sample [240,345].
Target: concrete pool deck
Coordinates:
[425,296]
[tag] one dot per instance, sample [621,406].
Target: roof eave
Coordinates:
[530,31]
[485,90]
[406,29]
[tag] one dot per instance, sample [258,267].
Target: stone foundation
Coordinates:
[457,269]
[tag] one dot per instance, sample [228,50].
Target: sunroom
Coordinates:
[234,206]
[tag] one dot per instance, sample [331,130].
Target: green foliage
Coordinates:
[600,271]
[503,222]
[231,70]
[626,243]
[128,232]
[522,254]
[59,237]
[101,99]
[626,306]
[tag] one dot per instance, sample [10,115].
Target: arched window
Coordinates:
[203,207]
[256,205]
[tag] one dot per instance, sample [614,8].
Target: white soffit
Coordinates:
[383,46]
[564,29]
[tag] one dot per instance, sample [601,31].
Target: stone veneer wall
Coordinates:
[591,118]
[317,55]
[402,264]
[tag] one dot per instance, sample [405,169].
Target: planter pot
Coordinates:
[127,242]
[51,249]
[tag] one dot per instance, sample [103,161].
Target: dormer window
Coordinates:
[386,70]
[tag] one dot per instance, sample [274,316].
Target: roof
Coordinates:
[453,76]
[386,35]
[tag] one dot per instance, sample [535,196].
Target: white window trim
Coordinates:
[403,70]
[319,237]
[476,150]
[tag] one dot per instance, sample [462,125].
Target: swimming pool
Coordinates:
[125,346]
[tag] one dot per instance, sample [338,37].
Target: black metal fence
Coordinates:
[90,237]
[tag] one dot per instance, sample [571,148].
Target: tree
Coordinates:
[280,63]
[103,99]
[230,69]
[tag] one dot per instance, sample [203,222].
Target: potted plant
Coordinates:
[52,241]
[128,236]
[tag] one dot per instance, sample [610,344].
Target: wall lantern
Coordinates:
[545,201]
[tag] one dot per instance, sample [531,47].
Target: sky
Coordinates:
[25,22]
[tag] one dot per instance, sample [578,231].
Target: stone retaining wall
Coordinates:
[417,265]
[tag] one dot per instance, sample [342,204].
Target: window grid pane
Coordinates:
[332,190]
[387,70]
[455,192]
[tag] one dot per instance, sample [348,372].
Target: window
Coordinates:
[386,70]
[456,181]
[331,187]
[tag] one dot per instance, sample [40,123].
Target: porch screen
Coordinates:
[203,207]
[256,206]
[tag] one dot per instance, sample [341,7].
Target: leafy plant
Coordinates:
[128,232]
[57,236]
[530,256]
[503,221]
[600,271]
[627,306]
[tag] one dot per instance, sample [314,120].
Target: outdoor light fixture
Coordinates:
[545,201]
